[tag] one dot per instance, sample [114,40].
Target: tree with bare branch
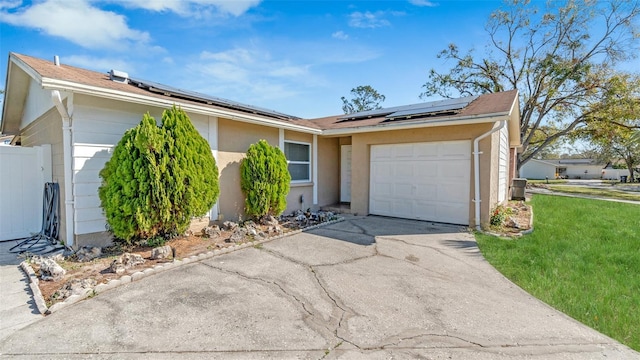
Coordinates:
[562,60]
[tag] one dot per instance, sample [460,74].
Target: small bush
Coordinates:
[264,179]
[158,178]
[499,215]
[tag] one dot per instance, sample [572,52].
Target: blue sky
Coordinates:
[296,57]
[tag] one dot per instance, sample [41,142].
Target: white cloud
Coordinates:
[248,74]
[340,35]
[195,8]
[100,64]
[78,22]
[368,19]
[426,3]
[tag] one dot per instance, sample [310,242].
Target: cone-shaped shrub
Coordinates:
[158,178]
[264,179]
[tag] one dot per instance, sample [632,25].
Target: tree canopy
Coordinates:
[562,60]
[363,98]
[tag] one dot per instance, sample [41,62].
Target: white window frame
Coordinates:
[308,163]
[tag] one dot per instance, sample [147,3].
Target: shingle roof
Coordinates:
[483,105]
[478,107]
[47,69]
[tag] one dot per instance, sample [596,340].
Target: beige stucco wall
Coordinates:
[328,171]
[361,145]
[47,129]
[234,139]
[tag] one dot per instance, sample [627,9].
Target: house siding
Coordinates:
[503,165]
[47,129]
[98,125]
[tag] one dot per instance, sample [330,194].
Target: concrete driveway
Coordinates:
[373,287]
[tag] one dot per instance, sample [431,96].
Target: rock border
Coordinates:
[516,235]
[158,268]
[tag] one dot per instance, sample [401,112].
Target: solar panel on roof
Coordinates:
[413,109]
[428,110]
[196,96]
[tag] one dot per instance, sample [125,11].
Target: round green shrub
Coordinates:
[264,179]
[158,178]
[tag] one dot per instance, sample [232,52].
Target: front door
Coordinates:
[345,173]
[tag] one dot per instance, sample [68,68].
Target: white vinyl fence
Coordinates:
[23,172]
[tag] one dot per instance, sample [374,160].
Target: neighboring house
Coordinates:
[562,169]
[535,169]
[446,161]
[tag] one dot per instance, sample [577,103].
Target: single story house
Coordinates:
[444,161]
[535,169]
[563,169]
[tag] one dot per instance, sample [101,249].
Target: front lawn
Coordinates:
[583,258]
[597,192]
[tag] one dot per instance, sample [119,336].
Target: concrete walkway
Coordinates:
[17,308]
[373,288]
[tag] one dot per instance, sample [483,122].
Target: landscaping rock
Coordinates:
[269,220]
[124,262]
[211,231]
[88,253]
[161,252]
[74,287]
[229,225]
[238,235]
[49,268]
[512,223]
[275,229]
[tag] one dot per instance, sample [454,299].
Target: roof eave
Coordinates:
[14,61]
[444,121]
[55,84]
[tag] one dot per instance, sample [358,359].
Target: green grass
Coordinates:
[583,258]
[608,193]
[554,181]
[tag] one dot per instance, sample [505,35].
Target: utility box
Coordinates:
[517,189]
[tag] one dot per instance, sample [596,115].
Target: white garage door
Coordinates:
[424,181]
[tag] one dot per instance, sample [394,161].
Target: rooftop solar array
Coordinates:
[208,99]
[414,110]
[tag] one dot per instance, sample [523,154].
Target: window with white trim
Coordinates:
[299,160]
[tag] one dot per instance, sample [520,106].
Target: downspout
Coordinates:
[476,169]
[68,164]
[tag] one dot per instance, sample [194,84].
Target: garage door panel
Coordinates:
[426,151]
[426,181]
[403,169]
[403,190]
[383,189]
[427,169]
[381,153]
[426,191]
[454,170]
[402,152]
[454,149]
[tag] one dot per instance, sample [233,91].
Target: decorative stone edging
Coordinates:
[516,235]
[158,268]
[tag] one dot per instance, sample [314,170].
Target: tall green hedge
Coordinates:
[264,179]
[158,178]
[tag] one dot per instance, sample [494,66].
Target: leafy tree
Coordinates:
[560,61]
[614,129]
[264,179]
[364,98]
[158,178]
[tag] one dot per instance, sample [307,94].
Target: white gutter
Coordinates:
[68,164]
[476,169]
